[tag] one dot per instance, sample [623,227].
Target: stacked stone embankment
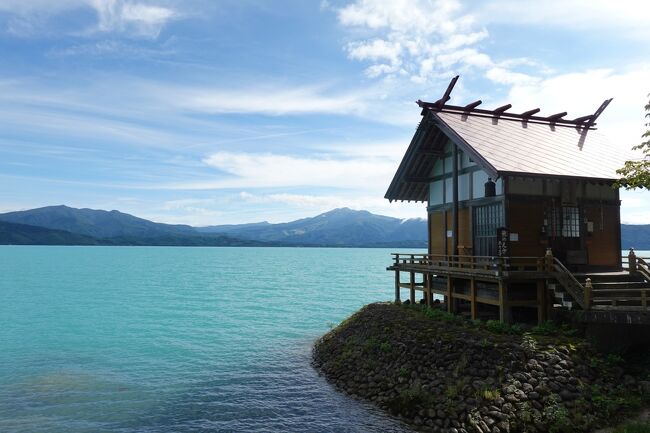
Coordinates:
[443,374]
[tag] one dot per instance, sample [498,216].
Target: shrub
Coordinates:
[489,394]
[503,328]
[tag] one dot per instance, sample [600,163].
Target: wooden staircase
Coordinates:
[627,291]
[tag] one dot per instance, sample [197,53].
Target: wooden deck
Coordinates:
[543,283]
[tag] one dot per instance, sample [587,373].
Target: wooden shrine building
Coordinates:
[523,214]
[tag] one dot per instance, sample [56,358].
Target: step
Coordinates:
[622,284]
[607,278]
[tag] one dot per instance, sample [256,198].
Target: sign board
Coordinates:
[503,242]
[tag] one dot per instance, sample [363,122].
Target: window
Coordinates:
[564,221]
[570,222]
[486,221]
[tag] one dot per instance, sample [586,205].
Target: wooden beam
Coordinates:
[397,286]
[598,112]
[556,117]
[502,109]
[477,111]
[472,289]
[412,287]
[504,313]
[440,102]
[527,114]
[472,105]
[541,302]
[454,189]
[583,118]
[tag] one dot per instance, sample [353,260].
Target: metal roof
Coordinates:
[503,145]
[513,146]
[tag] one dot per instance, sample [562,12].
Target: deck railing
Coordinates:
[628,297]
[620,297]
[474,264]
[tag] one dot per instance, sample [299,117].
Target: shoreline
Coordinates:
[441,373]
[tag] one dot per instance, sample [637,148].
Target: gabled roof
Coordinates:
[503,144]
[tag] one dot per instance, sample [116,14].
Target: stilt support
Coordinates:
[474,305]
[397,283]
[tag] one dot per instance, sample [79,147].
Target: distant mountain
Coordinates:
[63,225]
[22,234]
[339,227]
[635,236]
[95,223]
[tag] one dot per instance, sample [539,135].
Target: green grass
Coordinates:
[633,427]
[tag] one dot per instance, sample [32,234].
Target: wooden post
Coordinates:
[454,183]
[588,288]
[397,283]
[631,260]
[644,298]
[504,309]
[427,283]
[412,286]
[450,302]
[541,302]
[548,260]
[472,288]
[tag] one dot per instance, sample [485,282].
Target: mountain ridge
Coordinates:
[342,227]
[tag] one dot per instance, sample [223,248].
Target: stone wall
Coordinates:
[444,374]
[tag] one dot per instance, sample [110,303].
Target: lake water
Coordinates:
[157,339]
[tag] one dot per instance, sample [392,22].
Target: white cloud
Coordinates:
[322,203]
[271,101]
[420,39]
[581,93]
[628,17]
[135,18]
[132,18]
[504,76]
[267,170]
[375,50]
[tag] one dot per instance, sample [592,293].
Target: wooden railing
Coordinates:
[621,297]
[571,284]
[474,264]
[627,297]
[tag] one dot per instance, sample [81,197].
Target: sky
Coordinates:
[214,112]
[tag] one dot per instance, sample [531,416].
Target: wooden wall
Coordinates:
[603,243]
[526,219]
[438,239]
[436,233]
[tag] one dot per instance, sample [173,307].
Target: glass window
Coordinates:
[478,184]
[564,221]
[437,168]
[449,190]
[463,187]
[486,220]
[570,222]
[436,192]
[449,164]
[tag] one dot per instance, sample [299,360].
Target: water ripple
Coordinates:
[125,339]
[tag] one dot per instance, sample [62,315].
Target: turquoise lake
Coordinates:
[163,339]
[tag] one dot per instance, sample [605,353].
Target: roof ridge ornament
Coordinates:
[587,122]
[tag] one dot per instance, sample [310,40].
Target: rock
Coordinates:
[497,415]
[441,376]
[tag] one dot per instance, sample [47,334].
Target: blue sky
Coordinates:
[209,112]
